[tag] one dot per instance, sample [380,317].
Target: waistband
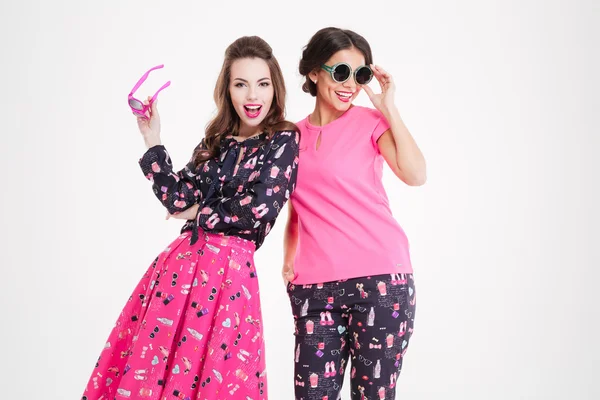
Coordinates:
[223,240]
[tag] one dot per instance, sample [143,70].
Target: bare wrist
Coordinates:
[390,111]
[153,142]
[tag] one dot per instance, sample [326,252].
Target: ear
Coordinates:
[313,76]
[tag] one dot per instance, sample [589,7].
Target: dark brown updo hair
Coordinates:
[324,44]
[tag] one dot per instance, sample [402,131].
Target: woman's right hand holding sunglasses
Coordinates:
[150,126]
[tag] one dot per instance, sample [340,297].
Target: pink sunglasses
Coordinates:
[138,107]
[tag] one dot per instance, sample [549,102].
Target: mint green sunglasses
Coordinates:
[341,72]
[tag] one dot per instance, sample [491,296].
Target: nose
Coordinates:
[252,93]
[350,83]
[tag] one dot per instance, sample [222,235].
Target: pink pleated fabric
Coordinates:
[190,330]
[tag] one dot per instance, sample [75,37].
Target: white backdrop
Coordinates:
[500,95]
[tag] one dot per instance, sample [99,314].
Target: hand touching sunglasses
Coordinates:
[138,107]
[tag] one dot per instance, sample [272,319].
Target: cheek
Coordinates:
[237,98]
[327,91]
[332,87]
[268,96]
[270,91]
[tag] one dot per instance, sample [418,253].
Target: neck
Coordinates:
[246,131]
[324,114]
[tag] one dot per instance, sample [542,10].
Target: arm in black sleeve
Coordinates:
[176,191]
[266,194]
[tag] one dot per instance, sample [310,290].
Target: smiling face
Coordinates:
[251,92]
[338,96]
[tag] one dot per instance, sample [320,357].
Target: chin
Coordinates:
[255,122]
[339,106]
[252,123]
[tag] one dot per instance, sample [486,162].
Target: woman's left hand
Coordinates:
[383,101]
[188,214]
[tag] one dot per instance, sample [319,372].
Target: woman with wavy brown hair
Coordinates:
[192,327]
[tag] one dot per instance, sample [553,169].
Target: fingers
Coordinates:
[142,123]
[379,76]
[154,108]
[150,107]
[288,275]
[382,71]
[181,215]
[383,77]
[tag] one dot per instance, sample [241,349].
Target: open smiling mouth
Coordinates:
[252,110]
[344,96]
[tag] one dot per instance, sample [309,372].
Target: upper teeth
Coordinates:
[253,107]
[344,94]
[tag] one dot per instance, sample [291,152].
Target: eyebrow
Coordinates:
[245,81]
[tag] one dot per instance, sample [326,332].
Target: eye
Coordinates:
[265,84]
[239,84]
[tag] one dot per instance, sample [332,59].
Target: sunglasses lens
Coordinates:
[136,104]
[364,75]
[341,73]
[139,114]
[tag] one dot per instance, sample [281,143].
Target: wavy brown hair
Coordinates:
[227,121]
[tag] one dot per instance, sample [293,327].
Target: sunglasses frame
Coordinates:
[333,67]
[144,107]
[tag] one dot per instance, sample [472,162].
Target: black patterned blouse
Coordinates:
[240,199]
